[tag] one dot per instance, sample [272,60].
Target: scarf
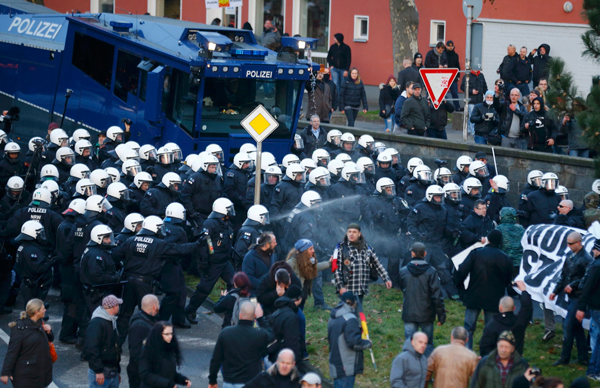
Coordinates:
[100,312]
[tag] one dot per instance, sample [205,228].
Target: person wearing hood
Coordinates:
[437,58]
[417,62]
[408,73]
[405,95]
[352,94]
[508,68]
[477,89]
[29,340]
[345,342]
[485,118]
[339,58]
[415,113]
[274,284]
[388,93]
[502,366]
[409,368]
[453,63]
[322,97]
[101,344]
[540,63]
[506,319]
[423,298]
[490,272]
[285,324]
[142,322]
[260,258]
[512,233]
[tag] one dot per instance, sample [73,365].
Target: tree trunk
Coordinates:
[405,26]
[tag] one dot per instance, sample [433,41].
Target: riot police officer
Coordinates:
[419,183]
[496,197]
[147,154]
[129,170]
[384,168]
[442,176]
[319,180]
[427,220]
[363,148]
[157,199]
[367,166]
[131,225]
[479,170]
[543,202]
[302,221]
[348,191]
[83,151]
[471,192]
[11,165]
[288,192]
[215,255]
[236,182]
[15,198]
[462,169]
[288,160]
[58,138]
[534,182]
[267,160]
[48,172]
[267,188]
[202,188]
[335,169]
[333,143]
[404,181]
[321,157]
[33,262]
[455,216]
[114,137]
[84,189]
[101,179]
[141,183]
[60,199]
[64,160]
[143,256]
[36,146]
[165,163]
[118,196]
[257,218]
[397,166]
[76,173]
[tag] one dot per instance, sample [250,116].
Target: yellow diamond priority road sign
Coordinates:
[259,124]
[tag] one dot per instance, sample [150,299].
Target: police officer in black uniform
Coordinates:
[405,179]
[302,222]
[64,160]
[384,168]
[58,138]
[319,180]
[83,154]
[288,192]
[165,163]
[202,188]
[215,256]
[118,196]
[11,165]
[347,189]
[462,169]
[131,225]
[15,198]
[453,207]
[258,217]
[543,202]
[534,182]
[142,182]
[364,147]
[76,173]
[236,182]
[114,137]
[272,177]
[157,199]
[427,220]
[471,192]
[418,185]
[334,139]
[143,257]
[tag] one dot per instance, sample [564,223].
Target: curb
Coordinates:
[210,306]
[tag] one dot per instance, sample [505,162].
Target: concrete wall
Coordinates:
[577,174]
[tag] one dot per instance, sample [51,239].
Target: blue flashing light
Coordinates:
[121,26]
[249,53]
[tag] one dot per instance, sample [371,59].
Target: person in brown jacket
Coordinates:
[452,365]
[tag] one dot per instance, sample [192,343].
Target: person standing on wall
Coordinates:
[339,58]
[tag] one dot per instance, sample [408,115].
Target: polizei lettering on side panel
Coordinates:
[39,28]
[259,74]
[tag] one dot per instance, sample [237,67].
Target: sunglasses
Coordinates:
[572,243]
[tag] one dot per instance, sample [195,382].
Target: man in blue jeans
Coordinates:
[339,58]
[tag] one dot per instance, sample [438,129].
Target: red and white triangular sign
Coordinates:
[437,82]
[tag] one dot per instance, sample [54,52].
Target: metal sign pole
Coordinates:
[258,174]
[467,72]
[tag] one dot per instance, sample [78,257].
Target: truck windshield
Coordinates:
[227,101]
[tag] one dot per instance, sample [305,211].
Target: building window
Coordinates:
[94,58]
[273,11]
[106,6]
[172,9]
[361,28]
[437,33]
[314,22]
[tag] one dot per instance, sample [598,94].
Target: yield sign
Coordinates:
[437,82]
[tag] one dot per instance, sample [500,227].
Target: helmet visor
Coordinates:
[454,196]
[231,211]
[177,155]
[67,160]
[437,199]
[537,181]
[443,179]
[151,154]
[167,158]
[134,170]
[300,177]
[389,191]
[323,181]
[272,179]
[357,178]
[482,172]
[298,143]
[335,140]
[125,196]
[218,155]
[550,184]
[323,161]
[88,191]
[106,206]
[265,219]
[347,146]
[369,169]
[424,176]
[108,240]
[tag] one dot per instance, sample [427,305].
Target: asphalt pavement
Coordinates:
[196,343]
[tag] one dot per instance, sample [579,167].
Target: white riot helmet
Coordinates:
[113,174]
[141,178]
[334,137]
[596,186]
[124,152]
[311,199]
[15,186]
[65,156]
[379,147]
[52,187]
[503,183]
[97,204]
[534,178]
[49,171]
[217,151]
[147,152]
[247,148]
[321,157]
[114,133]
[77,205]
[12,148]
[134,145]
[170,181]
[562,192]
[32,231]
[422,173]
[335,167]
[433,193]
[153,225]
[272,175]
[550,181]
[320,177]
[242,158]
[394,154]
[471,183]
[259,213]
[80,171]
[298,142]
[290,159]
[351,173]
[85,188]
[479,169]
[165,156]
[366,142]
[442,176]
[296,173]
[3,136]
[81,134]
[412,163]
[36,142]
[175,210]
[117,192]
[190,159]
[99,233]
[176,150]
[345,158]
[82,145]
[386,187]
[453,192]
[222,207]
[131,222]
[41,197]
[462,162]
[131,168]
[59,137]
[100,178]
[267,159]
[348,142]
[382,159]
[366,165]
[206,161]
[308,165]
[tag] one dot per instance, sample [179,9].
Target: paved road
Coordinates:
[197,344]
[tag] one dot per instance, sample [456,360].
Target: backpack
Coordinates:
[235,317]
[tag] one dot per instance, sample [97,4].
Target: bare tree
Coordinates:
[405,27]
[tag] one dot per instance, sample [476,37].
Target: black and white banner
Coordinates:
[544,251]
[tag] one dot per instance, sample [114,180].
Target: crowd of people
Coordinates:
[116,224]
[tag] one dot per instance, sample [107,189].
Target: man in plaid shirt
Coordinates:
[501,367]
[354,258]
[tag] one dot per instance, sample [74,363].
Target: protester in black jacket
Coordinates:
[240,364]
[438,119]
[312,142]
[477,86]
[568,216]
[590,292]
[259,259]
[226,304]
[508,320]
[490,272]
[388,93]
[541,128]
[540,63]
[508,68]
[286,325]
[415,113]
[139,327]
[408,73]
[274,285]
[512,112]
[352,94]
[27,362]
[485,118]
[436,58]
[161,357]
[339,55]
[283,374]
[523,72]
[476,226]
[453,63]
